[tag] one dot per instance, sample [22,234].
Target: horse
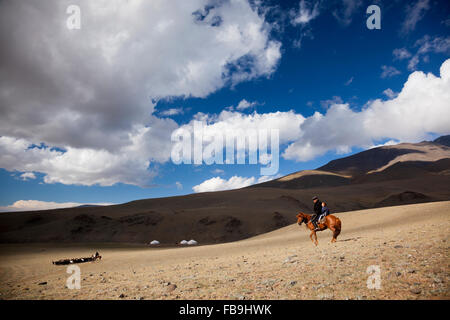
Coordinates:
[331,222]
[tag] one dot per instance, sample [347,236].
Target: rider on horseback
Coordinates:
[317,212]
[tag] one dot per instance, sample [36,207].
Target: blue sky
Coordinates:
[331,59]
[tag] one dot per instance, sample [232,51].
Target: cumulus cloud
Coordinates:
[93,91]
[288,123]
[32,205]
[87,166]
[420,108]
[235,182]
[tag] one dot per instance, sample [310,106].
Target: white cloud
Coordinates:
[349,81]
[423,47]
[27,175]
[86,166]
[344,14]
[414,13]
[390,93]
[32,205]
[437,45]
[90,91]
[235,182]
[413,62]
[179,185]
[389,71]
[335,100]
[244,104]
[401,53]
[305,13]
[302,18]
[171,112]
[288,123]
[387,143]
[305,33]
[218,171]
[446,22]
[421,107]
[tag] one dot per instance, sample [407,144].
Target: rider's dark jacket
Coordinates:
[317,208]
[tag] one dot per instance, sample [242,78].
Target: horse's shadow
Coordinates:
[351,239]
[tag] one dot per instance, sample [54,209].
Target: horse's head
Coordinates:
[301,217]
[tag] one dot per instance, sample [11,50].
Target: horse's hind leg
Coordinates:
[333,229]
[336,231]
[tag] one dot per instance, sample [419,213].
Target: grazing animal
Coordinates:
[92,258]
[330,222]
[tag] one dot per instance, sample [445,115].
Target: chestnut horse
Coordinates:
[331,222]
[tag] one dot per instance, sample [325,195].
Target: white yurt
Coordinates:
[192,242]
[154,242]
[183,242]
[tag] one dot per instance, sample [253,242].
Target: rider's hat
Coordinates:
[315,197]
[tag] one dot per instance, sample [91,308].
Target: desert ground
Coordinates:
[409,243]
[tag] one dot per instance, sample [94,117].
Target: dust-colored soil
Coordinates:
[410,245]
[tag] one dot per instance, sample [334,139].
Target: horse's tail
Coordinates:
[337,227]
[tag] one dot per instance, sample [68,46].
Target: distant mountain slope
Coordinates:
[307,179]
[444,140]
[384,176]
[385,163]
[378,159]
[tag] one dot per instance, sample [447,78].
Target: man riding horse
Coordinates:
[328,221]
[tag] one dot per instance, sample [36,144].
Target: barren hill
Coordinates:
[444,140]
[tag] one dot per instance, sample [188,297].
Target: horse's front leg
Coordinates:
[313,233]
